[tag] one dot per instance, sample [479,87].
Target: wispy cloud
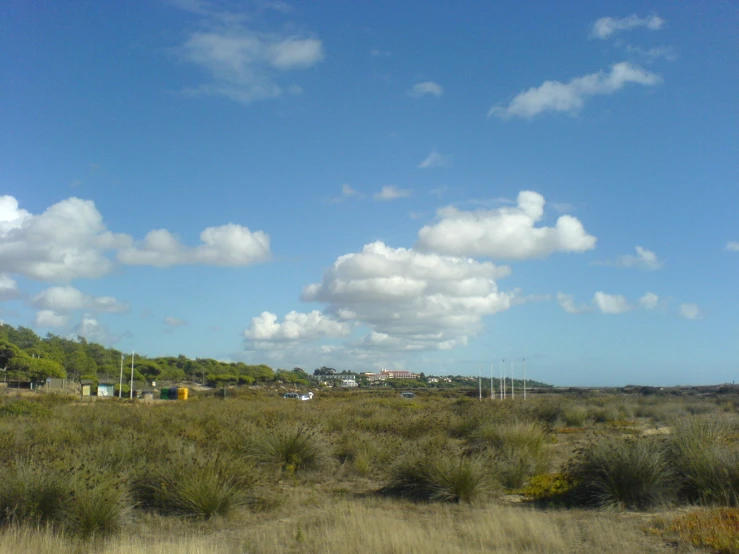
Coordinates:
[435,160]
[347,192]
[644,259]
[649,301]
[426,88]
[567,303]
[655,53]
[241,63]
[606,27]
[611,303]
[690,311]
[732,245]
[570,97]
[378,53]
[391,192]
[174,322]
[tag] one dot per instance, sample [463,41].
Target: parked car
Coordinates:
[293,395]
[407,395]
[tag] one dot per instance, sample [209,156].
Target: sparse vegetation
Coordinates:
[81,473]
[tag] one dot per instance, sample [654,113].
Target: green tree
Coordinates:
[36,369]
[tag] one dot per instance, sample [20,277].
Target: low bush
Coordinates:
[291,449]
[631,473]
[575,416]
[717,529]
[440,478]
[97,510]
[32,494]
[516,449]
[195,486]
[706,460]
[548,488]
[27,408]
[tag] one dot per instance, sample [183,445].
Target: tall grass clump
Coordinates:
[575,416]
[439,478]
[31,494]
[195,486]
[707,461]
[291,449]
[517,450]
[621,472]
[97,510]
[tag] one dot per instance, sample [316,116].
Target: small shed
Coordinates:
[106,389]
[87,385]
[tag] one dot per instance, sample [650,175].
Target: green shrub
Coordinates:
[357,452]
[195,486]
[575,416]
[548,411]
[31,494]
[291,449]
[97,510]
[517,450]
[706,460]
[623,472]
[27,408]
[603,414]
[439,478]
[550,488]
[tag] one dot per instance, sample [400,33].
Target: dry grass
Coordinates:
[378,526]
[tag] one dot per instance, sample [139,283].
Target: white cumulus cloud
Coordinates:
[611,303]
[690,311]
[427,88]
[571,96]
[94,331]
[649,301]
[227,245]
[506,232]
[391,192]
[50,319]
[67,299]
[8,288]
[606,27]
[67,241]
[408,299]
[295,327]
[644,259]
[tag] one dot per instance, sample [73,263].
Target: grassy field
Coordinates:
[369,471]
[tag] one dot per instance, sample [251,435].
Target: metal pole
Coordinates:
[513,387]
[524,378]
[479,379]
[131,392]
[492,389]
[502,376]
[120,381]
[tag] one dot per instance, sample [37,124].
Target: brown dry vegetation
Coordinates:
[363,472]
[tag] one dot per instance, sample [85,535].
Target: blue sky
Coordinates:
[363,185]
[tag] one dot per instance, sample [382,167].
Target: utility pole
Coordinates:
[524,378]
[120,381]
[502,379]
[513,388]
[492,389]
[479,379]
[131,393]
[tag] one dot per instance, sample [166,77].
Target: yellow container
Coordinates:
[182,393]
